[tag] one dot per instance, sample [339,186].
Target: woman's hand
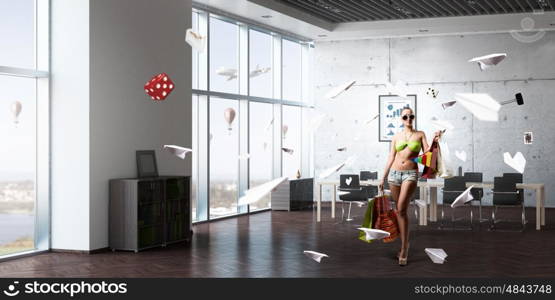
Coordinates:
[437,135]
[381,185]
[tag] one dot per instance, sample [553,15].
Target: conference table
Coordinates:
[428,191]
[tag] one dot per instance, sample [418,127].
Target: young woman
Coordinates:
[402,173]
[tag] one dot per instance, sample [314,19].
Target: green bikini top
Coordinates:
[414,146]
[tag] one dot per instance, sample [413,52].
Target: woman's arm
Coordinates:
[425,146]
[390,160]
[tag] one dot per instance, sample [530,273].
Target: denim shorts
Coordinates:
[397,177]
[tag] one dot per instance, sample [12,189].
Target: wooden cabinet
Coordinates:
[149,212]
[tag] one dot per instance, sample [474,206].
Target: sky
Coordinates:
[17,146]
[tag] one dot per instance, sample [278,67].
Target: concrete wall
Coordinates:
[102,115]
[440,62]
[70,113]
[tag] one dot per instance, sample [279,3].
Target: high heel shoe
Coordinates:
[403,260]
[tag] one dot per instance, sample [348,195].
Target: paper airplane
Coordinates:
[244,156]
[315,255]
[270,124]
[445,105]
[518,162]
[374,234]
[328,172]
[374,118]
[178,151]
[287,150]
[482,106]
[460,155]
[437,255]
[227,72]
[258,71]
[360,203]
[195,40]
[488,61]
[339,90]
[317,121]
[441,124]
[256,193]
[466,196]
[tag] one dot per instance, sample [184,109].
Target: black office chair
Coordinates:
[506,194]
[452,188]
[351,183]
[367,175]
[477,193]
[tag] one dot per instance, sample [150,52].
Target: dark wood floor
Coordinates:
[271,244]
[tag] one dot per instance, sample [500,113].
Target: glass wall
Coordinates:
[261,128]
[291,135]
[224,157]
[240,114]
[224,56]
[260,64]
[292,70]
[24,220]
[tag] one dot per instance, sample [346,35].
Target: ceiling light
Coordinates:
[267,16]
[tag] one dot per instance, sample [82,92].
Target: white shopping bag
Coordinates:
[444,169]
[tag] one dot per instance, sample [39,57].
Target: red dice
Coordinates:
[159,87]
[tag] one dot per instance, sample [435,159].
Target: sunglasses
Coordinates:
[406,117]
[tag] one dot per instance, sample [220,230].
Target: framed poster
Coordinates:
[390,108]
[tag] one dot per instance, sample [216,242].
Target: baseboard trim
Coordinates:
[94,251]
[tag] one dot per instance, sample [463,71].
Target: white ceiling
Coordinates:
[299,23]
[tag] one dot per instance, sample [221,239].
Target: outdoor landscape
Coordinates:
[17,204]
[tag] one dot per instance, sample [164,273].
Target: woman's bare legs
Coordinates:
[395,191]
[406,191]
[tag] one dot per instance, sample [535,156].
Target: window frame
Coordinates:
[203,95]
[41,74]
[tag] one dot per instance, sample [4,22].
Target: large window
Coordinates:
[248,95]
[260,64]
[291,135]
[24,220]
[292,70]
[17,33]
[224,56]
[224,157]
[261,126]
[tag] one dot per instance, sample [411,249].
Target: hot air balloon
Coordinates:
[229,115]
[16,110]
[284,130]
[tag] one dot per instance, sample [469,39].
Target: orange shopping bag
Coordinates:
[385,218]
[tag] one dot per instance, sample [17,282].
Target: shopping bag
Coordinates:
[444,169]
[430,168]
[385,218]
[367,222]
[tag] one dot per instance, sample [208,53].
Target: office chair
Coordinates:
[367,175]
[351,183]
[505,194]
[452,188]
[477,193]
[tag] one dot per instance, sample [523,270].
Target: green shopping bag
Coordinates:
[367,222]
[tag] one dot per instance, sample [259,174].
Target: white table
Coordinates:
[428,191]
[335,183]
[539,188]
